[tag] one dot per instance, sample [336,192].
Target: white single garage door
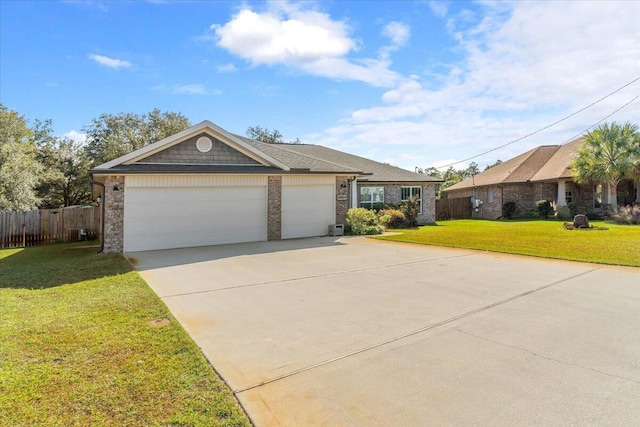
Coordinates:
[185,211]
[308,205]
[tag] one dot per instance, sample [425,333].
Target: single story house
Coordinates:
[543,173]
[206,186]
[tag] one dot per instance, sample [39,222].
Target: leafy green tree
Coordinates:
[270,137]
[20,171]
[451,177]
[431,171]
[608,154]
[471,170]
[66,178]
[111,136]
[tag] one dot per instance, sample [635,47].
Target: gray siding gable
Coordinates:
[187,153]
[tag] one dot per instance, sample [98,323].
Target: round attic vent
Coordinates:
[204,144]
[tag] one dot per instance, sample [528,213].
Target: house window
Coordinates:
[568,196]
[490,196]
[409,192]
[371,197]
[597,196]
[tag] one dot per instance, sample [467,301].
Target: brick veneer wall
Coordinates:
[114,214]
[274,208]
[393,194]
[428,215]
[342,206]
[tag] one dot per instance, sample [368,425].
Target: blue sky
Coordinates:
[409,83]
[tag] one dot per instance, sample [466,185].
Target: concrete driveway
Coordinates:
[357,332]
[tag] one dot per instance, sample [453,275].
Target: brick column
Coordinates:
[114,214]
[342,192]
[274,208]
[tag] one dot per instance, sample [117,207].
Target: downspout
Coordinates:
[104,196]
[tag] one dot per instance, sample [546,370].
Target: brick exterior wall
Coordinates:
[274,208]
[393,194]
[428,215]
[342,206]
[186,152]
[114,214]
[526,195]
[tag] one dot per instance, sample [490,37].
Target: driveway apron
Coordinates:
[346,331]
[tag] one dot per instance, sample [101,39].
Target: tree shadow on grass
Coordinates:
[48,266]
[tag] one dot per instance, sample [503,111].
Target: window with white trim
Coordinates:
[409,192]
[490,196]
[370,197]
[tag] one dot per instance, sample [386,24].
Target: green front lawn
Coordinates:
[618,244]
[84,341]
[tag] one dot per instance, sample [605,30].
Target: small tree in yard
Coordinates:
[410,209]
[609,154]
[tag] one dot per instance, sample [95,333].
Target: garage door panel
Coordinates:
[211,223]
[307,210]
[163,218]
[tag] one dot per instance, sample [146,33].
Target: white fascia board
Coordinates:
[206,125]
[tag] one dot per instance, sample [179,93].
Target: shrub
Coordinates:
[563,213]
[628,214]
[410,209]
[508,209]
[543,208]
[362,221]
[593,216]
[392,218]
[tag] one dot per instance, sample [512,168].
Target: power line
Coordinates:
[600,121]
[553,124]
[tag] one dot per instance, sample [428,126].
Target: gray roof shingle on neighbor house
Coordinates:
[300,155]
[544,163]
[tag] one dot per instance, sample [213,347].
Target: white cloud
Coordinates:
[184,89]
[439,8]
[398,32]
[525,65]
[76,136]
[110,62]
[311,41]
[227,68]
[189,89]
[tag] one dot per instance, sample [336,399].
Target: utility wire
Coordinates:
[552,124]
[600,121]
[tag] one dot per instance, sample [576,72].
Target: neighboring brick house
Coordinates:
[540,174]
[206,186]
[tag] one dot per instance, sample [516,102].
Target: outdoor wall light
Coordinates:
[343,185]
[115,187]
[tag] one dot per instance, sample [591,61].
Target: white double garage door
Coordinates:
[177,211]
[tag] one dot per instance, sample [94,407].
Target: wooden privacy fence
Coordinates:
[457,208]
[30,228]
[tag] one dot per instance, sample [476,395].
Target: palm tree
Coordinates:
[609,154]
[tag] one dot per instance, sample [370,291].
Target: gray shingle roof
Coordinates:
[274,158]
[296,155]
